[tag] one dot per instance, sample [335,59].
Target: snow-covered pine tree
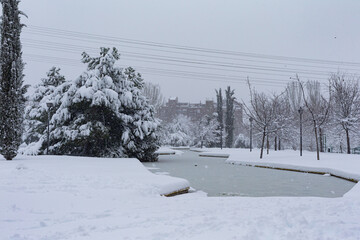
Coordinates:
[230,117]
[143,139]
[104,114]
[36,111]
[11,80]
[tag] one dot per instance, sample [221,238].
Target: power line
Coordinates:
[75,34]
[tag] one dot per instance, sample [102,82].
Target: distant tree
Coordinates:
[318,107]
[12,89]
[179,132]
[220,116]
[262,109]
[346,103]
[153,93]
[207,131]
[230,117]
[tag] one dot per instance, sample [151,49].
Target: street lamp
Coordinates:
[49,105]
[251,126]
[301,111]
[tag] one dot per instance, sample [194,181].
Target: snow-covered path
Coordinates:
[83,198]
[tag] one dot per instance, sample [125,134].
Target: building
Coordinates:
[196,111]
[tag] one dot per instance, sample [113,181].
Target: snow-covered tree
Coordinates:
[37,111]
[103,113]
[318,107]
[229,117]
[179,132]
[12,89]
[346,104]
[262,109]
[207,131]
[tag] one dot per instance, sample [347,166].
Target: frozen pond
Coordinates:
[216,178]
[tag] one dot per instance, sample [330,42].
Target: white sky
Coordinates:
[321,29]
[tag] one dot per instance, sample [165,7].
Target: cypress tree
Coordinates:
[229,119]
[11,80]
[220,114]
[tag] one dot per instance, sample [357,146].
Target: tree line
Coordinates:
[329,114]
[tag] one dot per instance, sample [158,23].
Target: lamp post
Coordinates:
[301,111]
[251,126]
[49,105]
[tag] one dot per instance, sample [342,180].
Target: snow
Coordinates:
[168,151]
[60,197]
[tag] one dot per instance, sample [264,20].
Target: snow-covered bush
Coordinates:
[179,132]
[241,141]
[207,131]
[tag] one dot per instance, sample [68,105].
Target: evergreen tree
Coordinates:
[220,116]
[11,80]
[230,117]
[103,113]
[36,112]
[133,76]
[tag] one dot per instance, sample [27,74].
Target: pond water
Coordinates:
[216,178]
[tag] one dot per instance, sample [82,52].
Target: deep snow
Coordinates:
[49,198]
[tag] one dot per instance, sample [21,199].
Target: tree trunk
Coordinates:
[267,144]
[275,143]
[321,140]
[317,142]
[348,141]
[279,144]
[262,144]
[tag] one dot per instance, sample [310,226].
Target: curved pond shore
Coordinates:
[343,166]
[211,175]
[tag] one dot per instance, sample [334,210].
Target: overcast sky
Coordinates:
[321,29]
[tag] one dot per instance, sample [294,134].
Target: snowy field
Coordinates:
[50,198]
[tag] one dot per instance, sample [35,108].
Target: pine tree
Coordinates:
[104,114]
[230,117]
[220,116]
[11,80]
[36,112]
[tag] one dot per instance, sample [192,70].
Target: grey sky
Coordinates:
[322,29]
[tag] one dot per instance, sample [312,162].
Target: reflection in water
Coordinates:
[216,178]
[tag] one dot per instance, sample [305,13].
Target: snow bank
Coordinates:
[168,151]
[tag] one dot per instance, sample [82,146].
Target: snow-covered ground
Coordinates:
[49,198]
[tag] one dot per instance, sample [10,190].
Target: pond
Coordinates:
[216,178]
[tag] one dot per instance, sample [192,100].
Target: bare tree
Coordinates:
[317,106]
[346,103]
[153,93]
[263,111]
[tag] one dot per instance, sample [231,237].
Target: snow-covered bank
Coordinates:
[168,151]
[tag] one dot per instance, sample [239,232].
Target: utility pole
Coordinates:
[251,126]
